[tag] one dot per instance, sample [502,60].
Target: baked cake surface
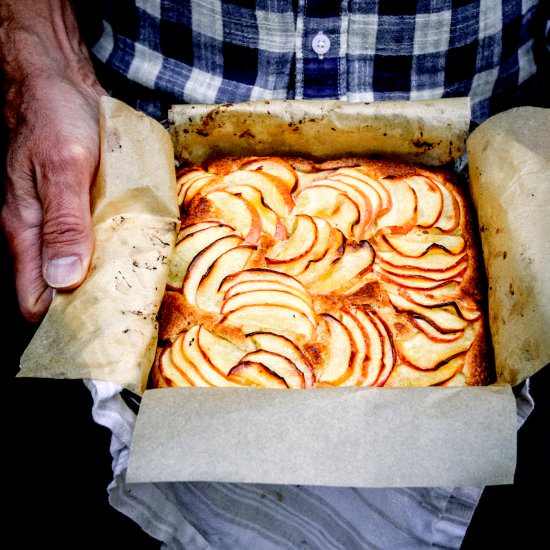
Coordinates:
[294,274]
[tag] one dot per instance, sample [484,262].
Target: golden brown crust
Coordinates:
[478,359]
[395,312]
[174,316]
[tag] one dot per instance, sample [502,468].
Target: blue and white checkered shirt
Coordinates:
[217,51]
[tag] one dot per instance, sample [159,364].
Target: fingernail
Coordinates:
[63,272]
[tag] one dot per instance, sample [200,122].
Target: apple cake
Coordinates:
[290,273]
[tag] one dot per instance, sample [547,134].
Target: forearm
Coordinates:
[40,38]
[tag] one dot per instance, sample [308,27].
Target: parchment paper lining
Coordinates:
[509,162]
[106,329]
[335,437]
[433,132]
[376,437]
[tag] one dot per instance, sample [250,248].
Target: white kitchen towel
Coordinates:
[232,516]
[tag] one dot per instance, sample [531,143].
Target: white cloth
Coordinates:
[267,517]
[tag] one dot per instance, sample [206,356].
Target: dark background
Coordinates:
[56,459]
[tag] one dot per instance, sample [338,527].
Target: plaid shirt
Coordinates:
[220,51]
[213,51]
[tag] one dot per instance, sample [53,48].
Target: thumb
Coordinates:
[65,272]
[67,238]
[66,257]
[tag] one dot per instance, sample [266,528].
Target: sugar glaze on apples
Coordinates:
[293,274]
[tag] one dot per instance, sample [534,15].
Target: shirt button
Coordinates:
[320,44]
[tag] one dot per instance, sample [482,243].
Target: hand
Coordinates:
[52,158]
[52,113]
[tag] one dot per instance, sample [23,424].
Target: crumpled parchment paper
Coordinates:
[106,329]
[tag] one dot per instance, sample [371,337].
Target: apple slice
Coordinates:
[167,374]
[433,260]
[464,307]
[194,227]
[207,297]
[274,166]
[422,353]
[416,282]
[316,269]
[418,243]
[202,263]
[189,246]
[337,364]
[433,333]
[330,203]
[255,375]
[318,250]
[285,320]
[210,373]
[432,297]
[374,362]
[299,243]
[238,213]
[402,215]
[442,318]
[467,309]
[360,359]
[192,183]
[262,274]
[275,193]
[276,343]
[266,284]
[371,183]
[347,270]
[388,346]
[450,216]
[222,353]
[271,222]
[377,207]
[453,272]
[430,200]
[381,347]
[269,297]
[185,367]
[351,188]
[280,365]
[183,180]
[406,376]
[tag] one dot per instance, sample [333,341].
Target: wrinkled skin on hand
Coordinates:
[53,152]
